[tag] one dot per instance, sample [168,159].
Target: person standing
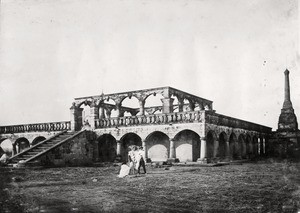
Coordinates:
[141,160]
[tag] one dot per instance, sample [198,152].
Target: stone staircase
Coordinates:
[29,156]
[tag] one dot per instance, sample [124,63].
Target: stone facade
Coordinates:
[183,128]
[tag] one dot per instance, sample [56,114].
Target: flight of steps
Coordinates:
[30,155]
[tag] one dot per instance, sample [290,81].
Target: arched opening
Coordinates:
[110,111]
[107,146]
[175,104]
[187,146]
[6,146]
[22,144]
[86,113]
[128,140]
[38,140]
[131,102]
[210,144]
[232,141]
[222,145]
[241,146]
[153,104]
[158,146]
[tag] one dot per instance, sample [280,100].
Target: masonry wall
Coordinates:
[76,152]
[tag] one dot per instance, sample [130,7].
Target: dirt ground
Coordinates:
[250,187]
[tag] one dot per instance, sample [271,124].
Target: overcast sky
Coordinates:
[232,52]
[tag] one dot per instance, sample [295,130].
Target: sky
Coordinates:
[232,52]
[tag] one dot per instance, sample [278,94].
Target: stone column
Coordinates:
[180,104]
[172,154]
[172,149]
[108,113]
[216,149]
[118,110]
[76,117]
[203,151]
[167,105]
[119,150]
[261,146]
[145,150]
[227,150]
[142,107]
[94,115]
[101,112]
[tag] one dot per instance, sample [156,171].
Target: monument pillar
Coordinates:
[287,119]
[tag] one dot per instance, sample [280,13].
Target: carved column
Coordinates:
[203,151]
[145,150]
[227,150]
[94,115]
[119,150]
[101,112]
[108,113]
[76,117]
[172,154]
[167,105]
[261,148]
[180,104]
[216,149]
[142,107]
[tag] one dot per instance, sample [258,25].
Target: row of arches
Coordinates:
[185,146]
[131,106]
[11,147]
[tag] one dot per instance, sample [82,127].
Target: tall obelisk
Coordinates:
[287,119]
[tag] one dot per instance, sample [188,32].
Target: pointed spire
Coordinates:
[287,98]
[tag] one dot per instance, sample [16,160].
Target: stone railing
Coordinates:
[38,127]
[222,120]
[166,118]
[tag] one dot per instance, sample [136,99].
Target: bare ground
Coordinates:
[250,187]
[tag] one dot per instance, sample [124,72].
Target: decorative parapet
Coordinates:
[38,127]
[166,118]
[222,120]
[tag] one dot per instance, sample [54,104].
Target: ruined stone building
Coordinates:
[181,128]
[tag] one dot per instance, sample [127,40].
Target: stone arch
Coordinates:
[37,140]
[158,146]
[232,142]
[222,145]
[127,140]
[112,112]
[241,146]
[22,144]
[187,145]
[154,100]
[107,148]
[7,146]
[130,102]
[211,147]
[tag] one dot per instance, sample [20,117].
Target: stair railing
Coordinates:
[36,145]
[54,146]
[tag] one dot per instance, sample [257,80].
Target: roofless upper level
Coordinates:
[167,94]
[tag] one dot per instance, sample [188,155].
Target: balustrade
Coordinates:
[165,118]
[38,127]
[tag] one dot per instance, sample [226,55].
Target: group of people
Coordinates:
[136,160]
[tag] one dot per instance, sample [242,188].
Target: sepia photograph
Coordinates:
[149,106]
